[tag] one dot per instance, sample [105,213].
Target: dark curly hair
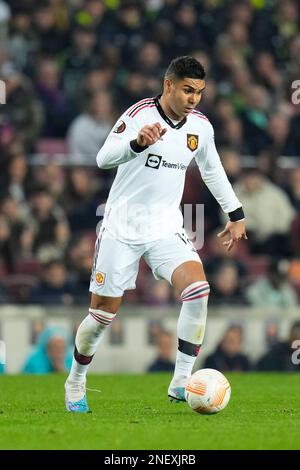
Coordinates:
[185,67]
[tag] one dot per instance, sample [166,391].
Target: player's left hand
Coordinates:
[236,230]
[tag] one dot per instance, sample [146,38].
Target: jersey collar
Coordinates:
[165,117]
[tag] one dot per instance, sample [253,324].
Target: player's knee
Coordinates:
[196,291]
[107,304]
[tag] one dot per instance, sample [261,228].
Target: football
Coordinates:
[207,391]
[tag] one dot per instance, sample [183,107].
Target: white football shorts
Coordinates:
[116,264]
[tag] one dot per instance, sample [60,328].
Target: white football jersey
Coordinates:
[144,200]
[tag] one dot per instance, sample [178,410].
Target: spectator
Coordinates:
[81,199]
[163,32]
[82,277]
[225,286]
[272,290]
[51,354]
[5,15]
[51,40]
[52,177]
[228,356]
[92,13]
[164,361]
[149,62]
[231,163]
[254,117]
[80,258]
[132,89]
[293,272]
[57,108]
[96,80]
[21,42]
[294,188]
[47,232]
[23,109]
[16,218]
[54,287]
[268,74]
[127,32]
[269,213]
[78,60]
[280,356]
[271,333]
[155,328]
[187,32]
[233,135]
[158,293]
[16,179]
[7,253]
[4,295]
[281,141]
[88,131]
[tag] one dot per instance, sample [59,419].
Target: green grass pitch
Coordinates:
[132,412]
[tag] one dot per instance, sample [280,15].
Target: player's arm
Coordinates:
[215,178]
[126,142]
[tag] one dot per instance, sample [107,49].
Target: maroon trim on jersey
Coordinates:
[165,117]
[139,105]
[199,115]
[143,107]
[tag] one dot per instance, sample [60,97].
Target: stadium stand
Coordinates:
[83,62]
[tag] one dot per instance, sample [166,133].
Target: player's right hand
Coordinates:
[150,134]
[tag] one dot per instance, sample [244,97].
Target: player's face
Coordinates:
[185,95]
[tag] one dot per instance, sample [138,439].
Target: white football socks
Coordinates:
[89,334]
[191,327]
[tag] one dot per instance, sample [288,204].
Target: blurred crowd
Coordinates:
[281,355]
[51,349]
[71,67]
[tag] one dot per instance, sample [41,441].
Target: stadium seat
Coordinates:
[52,147]
[295,234]
[19,286]
[257,265]
[3,270]
[29,266]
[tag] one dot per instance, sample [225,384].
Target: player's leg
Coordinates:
[176,260]
[190,283]
[88,337]
[114,271]
[91,331]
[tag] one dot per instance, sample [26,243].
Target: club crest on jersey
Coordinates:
[120,127]
[100,278]
[192,141]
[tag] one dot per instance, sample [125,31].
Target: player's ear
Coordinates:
[167,85]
